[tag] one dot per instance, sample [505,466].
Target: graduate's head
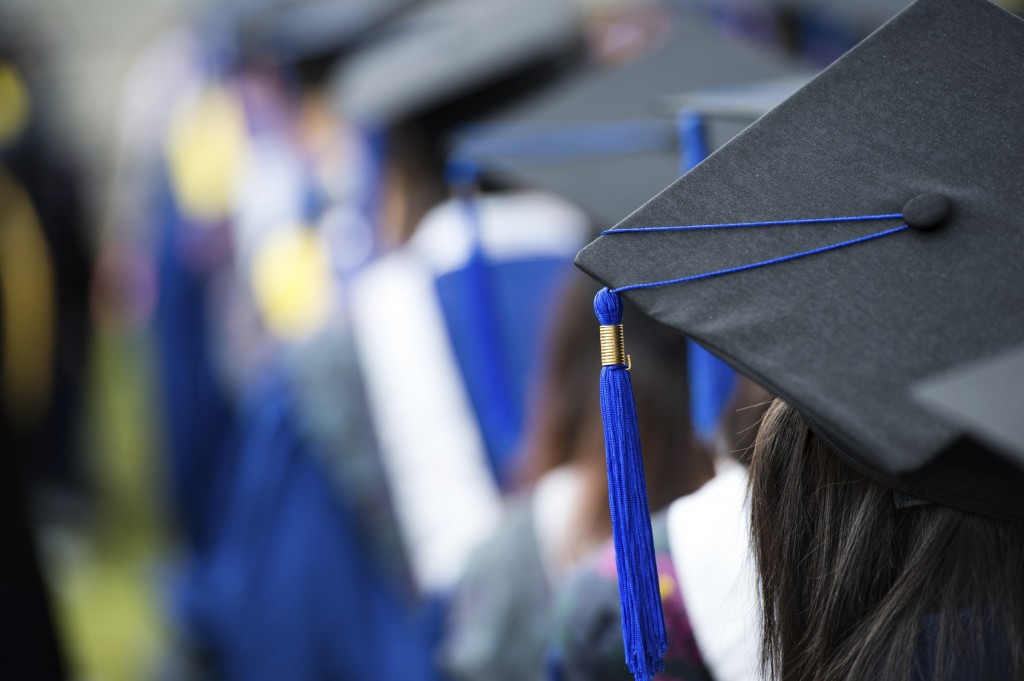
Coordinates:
[859,581]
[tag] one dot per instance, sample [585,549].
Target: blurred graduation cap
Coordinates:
[986,398]
[859,18]
[744,103]
[823,30]
[904,126]
[309,29]
[445,49]
[448,407]
[599,139]
[860,237]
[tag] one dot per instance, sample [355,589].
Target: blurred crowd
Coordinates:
[312,392]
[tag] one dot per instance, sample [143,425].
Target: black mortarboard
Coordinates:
[985,397]
[921,121]
[619,148]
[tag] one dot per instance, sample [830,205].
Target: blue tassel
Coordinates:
[643,624]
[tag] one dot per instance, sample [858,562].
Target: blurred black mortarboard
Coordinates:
[986,398]
[444,50]
[859,18]
[310,29]
[618,147]
[922,120]
[744,103]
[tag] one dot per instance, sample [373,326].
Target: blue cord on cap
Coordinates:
[763,263]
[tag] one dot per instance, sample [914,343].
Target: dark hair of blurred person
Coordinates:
[566,429]
[856,586]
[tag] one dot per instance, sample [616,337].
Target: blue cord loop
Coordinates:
[763,263]
[766,223]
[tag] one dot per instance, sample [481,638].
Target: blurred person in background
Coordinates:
[502,613]
[705,568]
[302,577]
[428,320]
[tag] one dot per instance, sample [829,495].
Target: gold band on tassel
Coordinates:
[613,347]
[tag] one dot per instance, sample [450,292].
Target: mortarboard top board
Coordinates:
[930,104]
[986,398]
[443,50]
[612,109]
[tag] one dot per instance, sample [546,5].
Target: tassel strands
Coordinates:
[643,624]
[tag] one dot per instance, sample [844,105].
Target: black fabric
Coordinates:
[986,398]
[930,103]
[926,211]
[608,188]
[29,642]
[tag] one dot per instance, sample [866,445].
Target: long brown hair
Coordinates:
[565,428]
[855,587]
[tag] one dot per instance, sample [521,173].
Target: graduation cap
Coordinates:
[601,139]
[862,236]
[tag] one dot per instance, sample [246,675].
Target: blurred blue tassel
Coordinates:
[643,624]
[692,147]
[711,379]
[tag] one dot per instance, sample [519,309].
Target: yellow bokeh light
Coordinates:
[291,282]
[15,103]
[667,585]
[28,308]
[206,150]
